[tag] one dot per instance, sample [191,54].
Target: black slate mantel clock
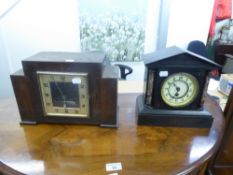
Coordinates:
[64,87]
[176,83]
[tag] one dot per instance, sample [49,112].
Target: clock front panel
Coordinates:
[175,88]
[64,94]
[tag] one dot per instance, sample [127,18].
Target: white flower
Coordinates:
[114,34]
[122,52]
[136,58]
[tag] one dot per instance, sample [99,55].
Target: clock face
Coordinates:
[179,89]
[64,94]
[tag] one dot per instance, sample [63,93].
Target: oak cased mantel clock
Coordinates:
[64,87]
[176,84]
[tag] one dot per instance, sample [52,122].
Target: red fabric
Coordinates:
[222,10]
[213,19]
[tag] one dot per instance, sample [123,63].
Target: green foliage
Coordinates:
[120,37]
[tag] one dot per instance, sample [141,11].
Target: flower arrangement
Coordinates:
[120,37]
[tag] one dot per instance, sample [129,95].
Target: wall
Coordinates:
[5,84]
[152,21]
[189,20]
[33,26]
[181,21]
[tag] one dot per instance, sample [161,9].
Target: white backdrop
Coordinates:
[33,26]
[38,25]
[189,20]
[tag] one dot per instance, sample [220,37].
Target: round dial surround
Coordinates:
[179,89]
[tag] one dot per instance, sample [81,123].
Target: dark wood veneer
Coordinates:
[23,96]
[101,83]
[222,164]
[76,149]
[220,49]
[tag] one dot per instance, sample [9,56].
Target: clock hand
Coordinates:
[177,88]
[61,93]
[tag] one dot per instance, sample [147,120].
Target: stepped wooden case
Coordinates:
[64,87]
[176,82]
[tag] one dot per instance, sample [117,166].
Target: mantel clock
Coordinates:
[176,84]
[64,87]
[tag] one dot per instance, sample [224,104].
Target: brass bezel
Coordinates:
[190,99]
[44,77]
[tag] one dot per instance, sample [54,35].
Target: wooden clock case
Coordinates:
[157,112]
[102,87]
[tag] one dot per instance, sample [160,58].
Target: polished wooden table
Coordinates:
[85,150]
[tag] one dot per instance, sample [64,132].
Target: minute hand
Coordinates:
[177,88]
[62,95]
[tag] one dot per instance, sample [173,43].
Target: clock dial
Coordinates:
[179,90]
[64,94]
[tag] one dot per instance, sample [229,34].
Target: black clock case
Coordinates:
[102,84]
[175,60]
[168,117]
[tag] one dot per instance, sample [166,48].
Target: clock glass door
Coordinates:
[64,94]
[179,89]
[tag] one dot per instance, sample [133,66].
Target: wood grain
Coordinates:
[84,150]
[222,163]
[101,78]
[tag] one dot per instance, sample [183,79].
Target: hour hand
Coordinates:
[177,88]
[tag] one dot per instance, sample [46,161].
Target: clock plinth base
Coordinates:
[108,126]
[28,123]
[174,118]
